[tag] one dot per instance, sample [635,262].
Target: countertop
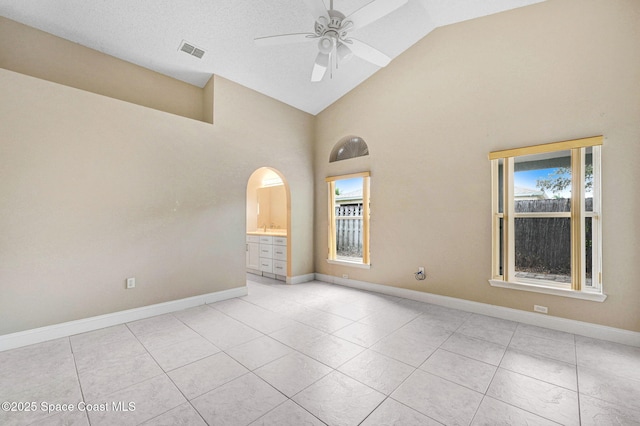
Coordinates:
[269,232]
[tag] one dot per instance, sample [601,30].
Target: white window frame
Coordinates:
[332,255]
[503,248]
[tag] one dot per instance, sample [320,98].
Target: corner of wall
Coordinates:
[207,101]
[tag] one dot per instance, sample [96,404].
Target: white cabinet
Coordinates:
[280,267]
[266,250]
[280,256]
[253,252]
[280,252]
[267,255]
[266,265]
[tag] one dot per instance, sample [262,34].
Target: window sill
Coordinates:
[347,263]
[594,297]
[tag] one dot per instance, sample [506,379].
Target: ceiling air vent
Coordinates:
[198,53]
[191,49]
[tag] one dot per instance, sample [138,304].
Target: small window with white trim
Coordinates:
[547,234]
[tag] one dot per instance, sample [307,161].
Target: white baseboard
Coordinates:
[42,334]
[582,328]
[299,279]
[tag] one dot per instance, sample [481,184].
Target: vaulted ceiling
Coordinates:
[149,33]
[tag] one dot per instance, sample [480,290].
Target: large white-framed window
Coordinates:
[348,213]
[547,218]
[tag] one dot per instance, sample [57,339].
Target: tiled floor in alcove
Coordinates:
[316,353]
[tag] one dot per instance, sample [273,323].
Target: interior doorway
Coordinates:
[268,230]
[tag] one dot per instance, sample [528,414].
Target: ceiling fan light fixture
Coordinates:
[325,44]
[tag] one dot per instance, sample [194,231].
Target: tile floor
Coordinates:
[315,354]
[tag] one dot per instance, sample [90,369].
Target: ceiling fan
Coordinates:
[332,29]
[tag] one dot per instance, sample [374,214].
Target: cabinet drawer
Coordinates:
[279,267]
[280,241]
[266,265]
[253,239]
[266,250]
[266,239]
[280,252]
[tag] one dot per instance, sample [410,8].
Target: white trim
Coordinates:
[65,329]
[595,331]
[299,279]
[556,291]
[532,282]
[348,263]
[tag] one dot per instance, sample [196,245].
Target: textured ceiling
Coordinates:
[149,33]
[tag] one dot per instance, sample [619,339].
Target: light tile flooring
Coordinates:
[315,354]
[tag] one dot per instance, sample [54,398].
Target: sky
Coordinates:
[524,179]
[529,179]
[348,185]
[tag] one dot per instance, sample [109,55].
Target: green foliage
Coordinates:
[560,180]
[337,191]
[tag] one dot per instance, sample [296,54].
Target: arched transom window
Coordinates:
[349,147]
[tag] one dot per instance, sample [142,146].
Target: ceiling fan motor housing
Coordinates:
[334,23]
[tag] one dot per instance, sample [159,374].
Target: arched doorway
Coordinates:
[268,230]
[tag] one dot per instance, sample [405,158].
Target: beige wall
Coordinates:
[287,147]
[252,199]
[95,190]
[29,51]
[558,70]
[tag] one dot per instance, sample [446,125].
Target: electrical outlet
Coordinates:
[345,276]
[131,282]
[541,309]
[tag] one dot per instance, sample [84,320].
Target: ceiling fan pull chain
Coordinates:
[334,63]
[331,65]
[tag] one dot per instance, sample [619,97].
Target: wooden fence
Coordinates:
[349,230]
[544,244]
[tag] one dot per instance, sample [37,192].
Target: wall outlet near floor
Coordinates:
[420,275]
[131,282]
[541,309]
[345,276]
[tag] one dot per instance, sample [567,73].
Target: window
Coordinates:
[348,203]
[349,147]
[547,218]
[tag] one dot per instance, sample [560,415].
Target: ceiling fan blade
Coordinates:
[320,66]
[317,8]
[284,39]
[368,53]
[373,11]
